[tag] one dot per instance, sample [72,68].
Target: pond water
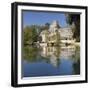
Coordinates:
[50,61]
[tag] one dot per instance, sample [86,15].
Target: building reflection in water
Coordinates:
[54,54]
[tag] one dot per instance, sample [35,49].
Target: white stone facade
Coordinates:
[65,33]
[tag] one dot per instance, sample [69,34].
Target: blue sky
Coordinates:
[40,18]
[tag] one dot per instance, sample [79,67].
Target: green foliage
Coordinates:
[34,34]
[30,35]
[27,35]
[74,18]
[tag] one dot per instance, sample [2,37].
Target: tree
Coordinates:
[27,35]
[34,33]
[74,18]
[30,35]
[47,25]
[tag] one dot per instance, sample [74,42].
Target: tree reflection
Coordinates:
[30,53]
[76,65]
